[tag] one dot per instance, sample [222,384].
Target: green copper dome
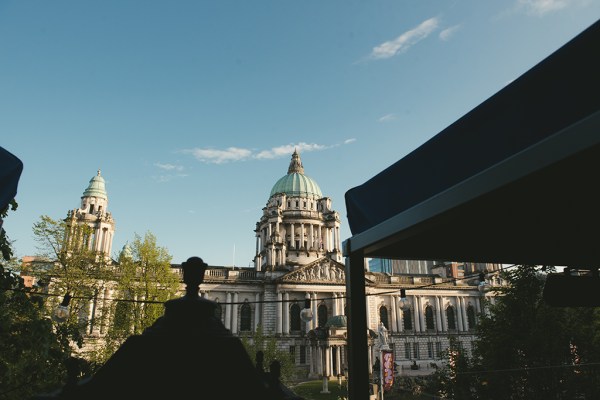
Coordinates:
[96,188]
[295,183]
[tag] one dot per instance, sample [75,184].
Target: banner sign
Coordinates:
[388,369]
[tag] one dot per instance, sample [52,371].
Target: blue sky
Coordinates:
[192,109]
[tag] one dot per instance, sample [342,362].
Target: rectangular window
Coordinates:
[430,349]
[438,349]
[293,352]
[416,349]
[407,351]
[302,354]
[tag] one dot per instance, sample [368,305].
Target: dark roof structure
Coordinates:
[512,181]
[10,172]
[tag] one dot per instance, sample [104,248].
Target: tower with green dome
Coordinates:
[298,225]
[93,213]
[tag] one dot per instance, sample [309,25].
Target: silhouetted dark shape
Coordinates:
[260,368]
[274,386]
[187,353]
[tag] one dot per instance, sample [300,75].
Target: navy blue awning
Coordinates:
[512,181]
[10,172]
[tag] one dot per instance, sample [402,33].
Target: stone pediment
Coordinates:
[320,271]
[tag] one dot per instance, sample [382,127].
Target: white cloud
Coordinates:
[447,33]
[542,7]
[351,140]
[405,41]
[387,118]
[214,156]
[232,154]
[288,149]
[169,167]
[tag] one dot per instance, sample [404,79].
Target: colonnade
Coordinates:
[327,359]
[418,306]
[302,236]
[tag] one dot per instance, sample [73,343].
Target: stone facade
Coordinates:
[298,256]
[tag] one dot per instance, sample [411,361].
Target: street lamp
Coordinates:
[483,286]
[61,312]
[306,314]
[403,304]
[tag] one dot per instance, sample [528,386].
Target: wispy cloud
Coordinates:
[540,8]
[215,156]
[351,140]
[233,154]
[287,149]
[447,33]
[172,171]
[169,167]
[405,41]
[387,118]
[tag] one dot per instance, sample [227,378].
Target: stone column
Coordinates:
[422,315]
[338,360]
[443,311]
[417,312]
[464,311]
[292,236]
[286,313]
[279,322]
[459,314]
[313,303]
[234,314]
[228,311]
[394,322]
[438,313]
[257,311]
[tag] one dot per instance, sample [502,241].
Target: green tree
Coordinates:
[268,345]
[5,247]
[71,268]
[529,350]
[143,282]
[454,379]
[31,355]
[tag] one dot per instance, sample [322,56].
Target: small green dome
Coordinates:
[295,183]
[96,188]
[337,321]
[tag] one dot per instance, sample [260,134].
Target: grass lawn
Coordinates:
[311,390]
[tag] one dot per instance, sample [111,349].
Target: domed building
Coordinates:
[298,262]
[298,258]
[298,225]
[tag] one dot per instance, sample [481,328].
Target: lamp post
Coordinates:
[383,346]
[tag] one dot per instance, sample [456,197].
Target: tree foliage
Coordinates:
[268,345]
[71,268]
[529,350]
[143,282]
[32,356]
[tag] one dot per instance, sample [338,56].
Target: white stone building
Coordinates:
[298,257]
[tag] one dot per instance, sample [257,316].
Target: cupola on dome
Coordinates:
[96,188]
[295,183]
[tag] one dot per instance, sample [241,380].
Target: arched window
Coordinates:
[450,317]
[471,316]
[322,315]
[429,324]
[383,316]
[295,317]
[245,318]
[407,318]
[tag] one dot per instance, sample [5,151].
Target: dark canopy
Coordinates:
[512,181]
[10,172]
